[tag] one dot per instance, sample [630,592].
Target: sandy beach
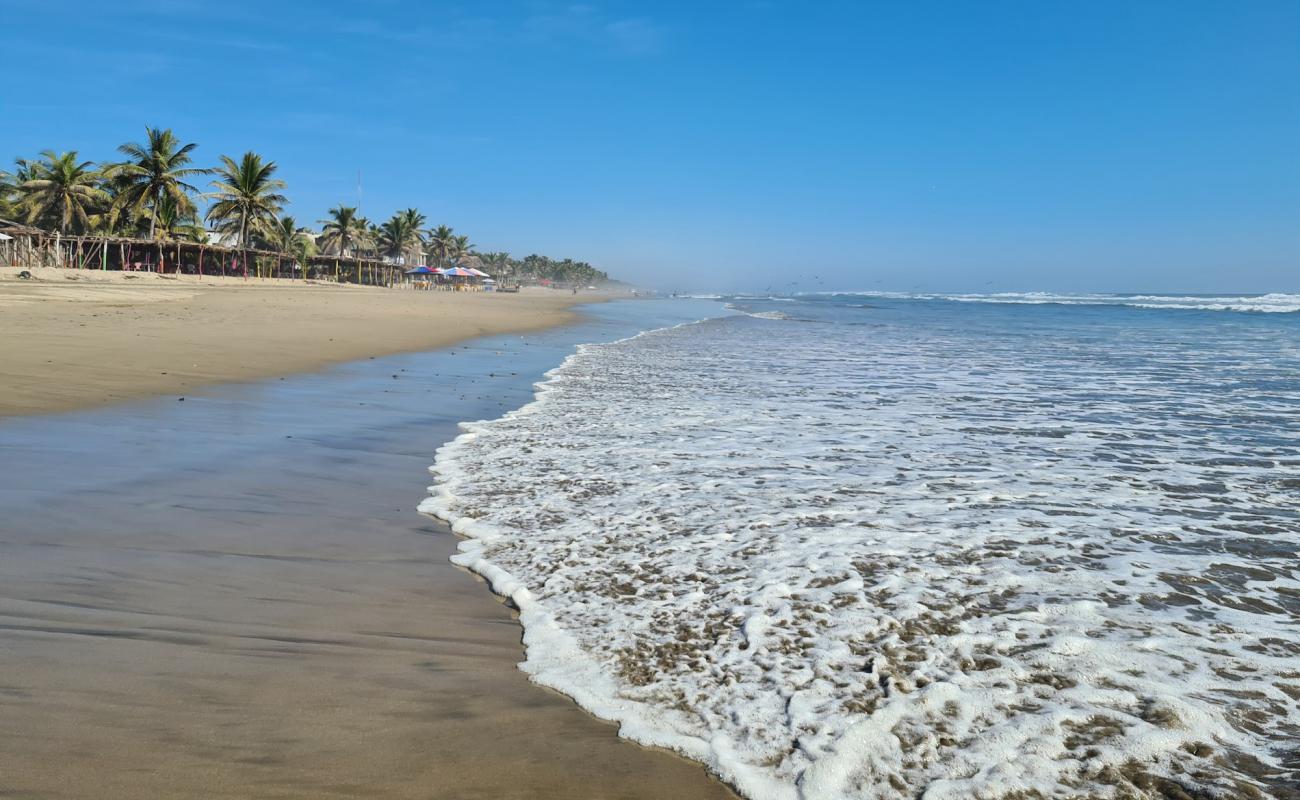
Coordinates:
[232,597]
[81,338]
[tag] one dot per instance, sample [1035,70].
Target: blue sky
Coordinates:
[1000,145]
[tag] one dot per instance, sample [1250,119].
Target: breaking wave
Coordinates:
[1277,303]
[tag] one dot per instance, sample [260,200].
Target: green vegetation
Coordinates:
[247,200]
[344,232]
[400,236]
[177,224]
[441,244]
[285,236]
[10,189]
[149,193]
[153,175]
[63,192]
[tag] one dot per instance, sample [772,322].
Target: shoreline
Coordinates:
[80,339]
[234,597]
[554,659]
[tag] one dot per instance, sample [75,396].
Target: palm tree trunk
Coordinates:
[153,218]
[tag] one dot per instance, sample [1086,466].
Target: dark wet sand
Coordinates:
[193,604]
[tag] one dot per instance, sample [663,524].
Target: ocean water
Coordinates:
[870,546]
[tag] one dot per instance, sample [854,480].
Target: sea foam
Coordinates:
[1272,303]
[898,562]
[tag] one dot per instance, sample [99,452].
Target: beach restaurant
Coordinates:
[451,279]
[25,246]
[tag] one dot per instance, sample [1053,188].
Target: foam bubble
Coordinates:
[891,561]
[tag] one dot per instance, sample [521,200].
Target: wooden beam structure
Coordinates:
[29,247]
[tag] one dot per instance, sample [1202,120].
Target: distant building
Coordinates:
[221,239]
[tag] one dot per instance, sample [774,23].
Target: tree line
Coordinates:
[150,193]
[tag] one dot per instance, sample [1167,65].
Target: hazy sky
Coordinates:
[1044,144]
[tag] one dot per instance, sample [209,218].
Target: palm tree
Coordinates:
[399,235]
[11,187]
[536,267]
[498,264]
[343,231]
[415,220]
[247,197]
[370,240]
[156,169]
[442,242]
[63,189]
[461,248]
[177,225]
[281,235]
[8,194]
[285,236]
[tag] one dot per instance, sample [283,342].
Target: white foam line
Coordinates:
[1273,303]
[552,657]
[684,468]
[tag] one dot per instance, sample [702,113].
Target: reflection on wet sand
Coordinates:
[234,598]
